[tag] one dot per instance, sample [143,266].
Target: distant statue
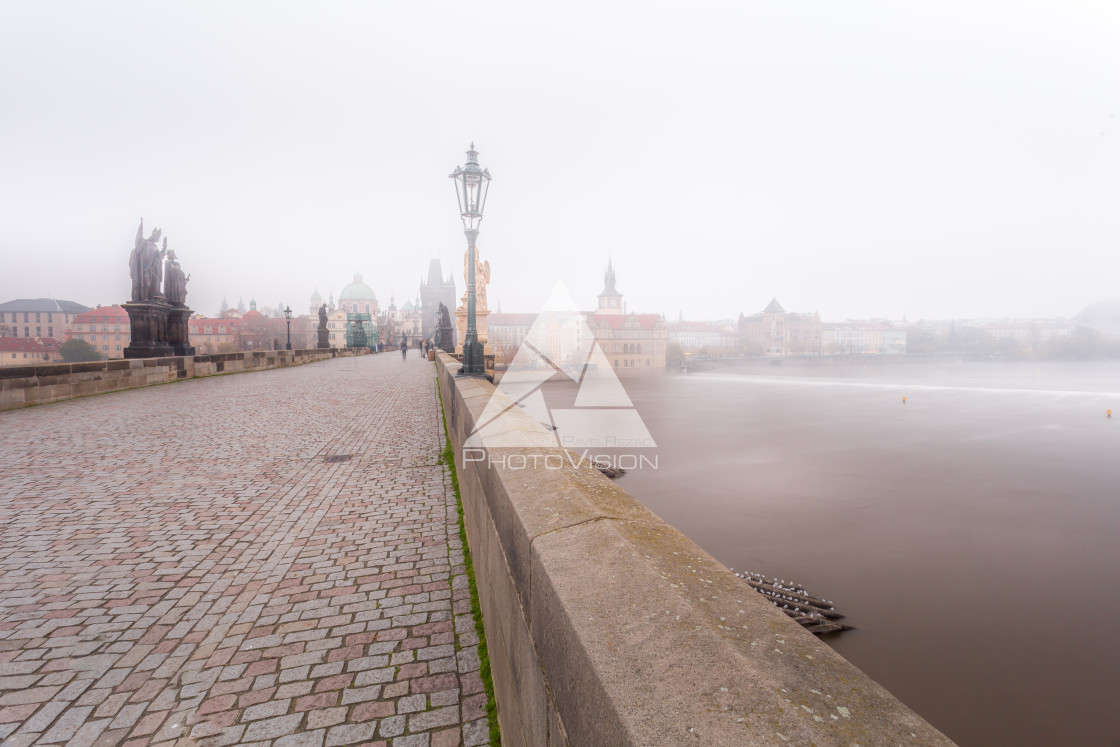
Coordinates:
[445,337]
[481,278]
[323,317]
[145,265]
[174,281]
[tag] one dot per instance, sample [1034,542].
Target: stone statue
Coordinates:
[445,337]
[323,317]
[145,265]
[174,281]
[481,279]
[155,271]
[159,324]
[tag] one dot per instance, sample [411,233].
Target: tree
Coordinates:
[921,341]
[1083,343]
[77,350]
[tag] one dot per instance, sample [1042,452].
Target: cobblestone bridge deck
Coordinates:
[269,558]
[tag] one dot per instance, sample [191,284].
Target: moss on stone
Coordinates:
[447,457]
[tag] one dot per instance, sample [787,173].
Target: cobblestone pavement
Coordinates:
[185,564]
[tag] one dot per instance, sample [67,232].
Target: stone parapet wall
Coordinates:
[21,386]
[607,626]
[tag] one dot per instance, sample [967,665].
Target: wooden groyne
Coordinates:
[812,613]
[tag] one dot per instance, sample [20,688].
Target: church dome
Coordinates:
[357,291]
[315,296]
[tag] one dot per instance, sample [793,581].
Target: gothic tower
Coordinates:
[433,291]
[610,300]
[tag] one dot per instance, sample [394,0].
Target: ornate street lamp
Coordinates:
[288,316]
[471,185]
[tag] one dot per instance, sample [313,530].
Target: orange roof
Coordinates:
[29,344]
[108,314]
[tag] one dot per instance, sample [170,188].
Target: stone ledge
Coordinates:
[21,386]
[608,626]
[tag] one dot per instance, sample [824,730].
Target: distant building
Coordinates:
[316,304]
[634,344]
[411,321]
[1025,334]
[257,331]
[696,337]
[388,323]
[506,332]
[989,336]
[777,332]
[437,288]
[358,298]
[106,328]
[336,328]
[610,300]
[29,351]
[862,338]
[37,317]
[214,335]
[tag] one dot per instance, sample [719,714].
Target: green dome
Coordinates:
[357,291]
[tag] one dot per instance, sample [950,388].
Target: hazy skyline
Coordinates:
[947,160]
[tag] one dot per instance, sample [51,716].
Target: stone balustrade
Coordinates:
[21,386]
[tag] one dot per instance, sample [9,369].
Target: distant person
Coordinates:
[404,348]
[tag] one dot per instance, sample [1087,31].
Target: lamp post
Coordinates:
[288,316]
[471,185]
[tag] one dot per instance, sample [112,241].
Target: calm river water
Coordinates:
[972,535]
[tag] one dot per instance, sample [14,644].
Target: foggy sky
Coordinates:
[954,159]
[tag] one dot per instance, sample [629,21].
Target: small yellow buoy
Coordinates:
[904,402]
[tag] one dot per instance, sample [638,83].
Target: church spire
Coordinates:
[610,300]
[609,280]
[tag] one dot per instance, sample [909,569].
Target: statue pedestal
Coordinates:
[324,339]
[445,337]
[148,321]
[179,331]
[479,325]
